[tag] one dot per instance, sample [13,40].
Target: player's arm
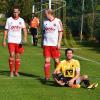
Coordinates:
[5,38]
[71,82]
[24,30]
[58,69]
[60,26]
[77,74]
[25,34]
[59,40]
[58,76]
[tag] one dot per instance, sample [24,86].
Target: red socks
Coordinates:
[47,70]
[11,64]
[17,65]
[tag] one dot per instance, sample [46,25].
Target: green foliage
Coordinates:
[68,38]
[97,27]
[25,7]
[3,5]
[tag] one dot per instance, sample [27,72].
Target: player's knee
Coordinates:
[47,60]
[17,56]
[11,58]
[85,76]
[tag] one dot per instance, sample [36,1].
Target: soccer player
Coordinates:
[52,36]
[68,73]
[34,24]
[13,28]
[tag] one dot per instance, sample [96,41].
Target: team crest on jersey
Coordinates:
[72,65]
[20,23]
[54,24]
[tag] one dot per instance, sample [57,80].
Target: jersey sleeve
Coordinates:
[60,26]
[7,24]
[77,64]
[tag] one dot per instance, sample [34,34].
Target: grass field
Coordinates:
[29,85]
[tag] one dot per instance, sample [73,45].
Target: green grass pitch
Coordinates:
[29,85]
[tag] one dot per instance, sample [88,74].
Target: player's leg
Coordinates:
[56,62]
[47,68]
[87,83]
[17,60]
[85,80]
[46,52]
[32,33]
[59,78]
[35,37]
[55,53]
[11,48]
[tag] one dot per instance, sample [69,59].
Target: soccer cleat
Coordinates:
[91,86]
[17,74]
[95,85]
[11,74]
[46,80]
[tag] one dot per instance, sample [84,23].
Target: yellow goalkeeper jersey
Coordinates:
[68,68]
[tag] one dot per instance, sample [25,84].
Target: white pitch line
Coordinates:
[12,78]
[71,48]
[87,59]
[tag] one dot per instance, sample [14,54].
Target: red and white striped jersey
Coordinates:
[14,27]
[51,31]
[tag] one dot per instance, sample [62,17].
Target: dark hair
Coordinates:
[16,7]
[69,49]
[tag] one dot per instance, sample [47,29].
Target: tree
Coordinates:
[25,6]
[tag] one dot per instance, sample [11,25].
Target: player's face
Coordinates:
[16,13]
[69,54]
[47,15]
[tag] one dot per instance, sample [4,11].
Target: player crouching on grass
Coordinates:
[13,29]
[67,73]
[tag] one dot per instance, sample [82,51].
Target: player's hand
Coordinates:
[25,40]
[58,46]
[4,44]
[71,82]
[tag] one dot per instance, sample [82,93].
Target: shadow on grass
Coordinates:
[28,75]
[49,83]
[7,73]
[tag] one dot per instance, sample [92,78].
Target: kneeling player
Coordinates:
[67,73]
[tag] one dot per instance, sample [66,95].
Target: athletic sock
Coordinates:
[33,41]
[47,70]
[17,65]
[11,64]
[86,82]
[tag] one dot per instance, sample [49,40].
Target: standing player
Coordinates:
[52,36]
[34,23]
[68,73]
[13,28]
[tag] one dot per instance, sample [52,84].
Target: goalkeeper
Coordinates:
[67,73]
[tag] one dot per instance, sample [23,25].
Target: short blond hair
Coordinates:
[50,11]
